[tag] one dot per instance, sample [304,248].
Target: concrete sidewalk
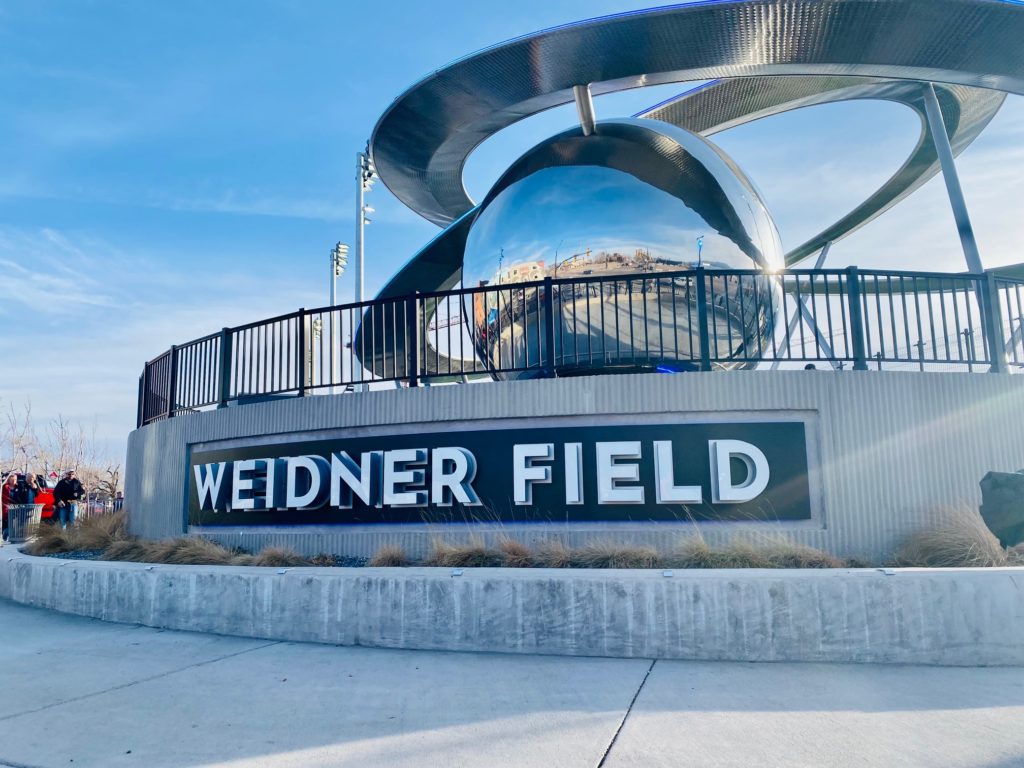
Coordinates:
[83,693]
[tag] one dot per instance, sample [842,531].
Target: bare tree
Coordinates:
[108,486]
[20,439]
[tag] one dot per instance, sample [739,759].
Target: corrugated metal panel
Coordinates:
[896,449]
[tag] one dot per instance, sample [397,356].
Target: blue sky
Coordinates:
[170,168]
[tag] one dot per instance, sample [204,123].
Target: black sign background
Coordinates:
[787,496]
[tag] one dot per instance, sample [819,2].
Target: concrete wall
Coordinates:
[889,451]
[957,617]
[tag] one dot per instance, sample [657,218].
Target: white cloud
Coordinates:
[85,318]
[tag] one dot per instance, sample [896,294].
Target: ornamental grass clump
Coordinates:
[128,551]
[188,550]
[964,541]
[93,533]
[697,553]
[552,554]
[389,556]
[280,557]
[473,554]
[515,554]
[608,554]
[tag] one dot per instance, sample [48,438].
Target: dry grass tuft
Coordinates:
[473,554]
[608,554]
[515,554]
[389,557]
[739,554]
[280,557]
[553,554]
[964,542]
[243,558]
[95,533]
[324,560]
[799,556]
[128,550]
[99,531]
[1015,555]
[48,540]
[189,550]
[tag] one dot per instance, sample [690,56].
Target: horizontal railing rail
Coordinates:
[598,320]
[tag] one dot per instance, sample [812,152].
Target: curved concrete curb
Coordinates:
[950,617]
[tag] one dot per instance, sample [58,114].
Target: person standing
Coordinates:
[8,496]
[28,488]
[66,496]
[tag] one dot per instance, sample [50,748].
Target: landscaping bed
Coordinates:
[963,541]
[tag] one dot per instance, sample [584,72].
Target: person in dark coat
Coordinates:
[66,497]
[28,488]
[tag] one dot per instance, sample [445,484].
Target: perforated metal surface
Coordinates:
[421,142]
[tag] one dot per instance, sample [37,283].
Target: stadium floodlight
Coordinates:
[339,260]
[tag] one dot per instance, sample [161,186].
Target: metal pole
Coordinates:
[334,281]
[805,314]
[584,108]
[702,319]
[224,386]
[856,319]
[172,382]
[361,160]
[994,324]
[940,138]
[300,327]
[362,165]
[549,328]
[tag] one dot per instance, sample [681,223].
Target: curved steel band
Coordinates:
[768,56]
[729,103]
[421,143]
[726,104]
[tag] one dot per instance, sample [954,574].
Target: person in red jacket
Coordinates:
[7,497]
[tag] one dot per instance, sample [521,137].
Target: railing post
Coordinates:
[412,339]
[172,381]
[860,355]
[992,314]
[549,328]
[140,416]
[225,367]
[702,319]
[301,356]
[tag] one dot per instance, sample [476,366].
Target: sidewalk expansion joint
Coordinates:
[121,687]
[625,717]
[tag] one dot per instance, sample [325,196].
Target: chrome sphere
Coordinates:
[637,197]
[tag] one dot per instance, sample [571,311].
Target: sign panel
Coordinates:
[647,472]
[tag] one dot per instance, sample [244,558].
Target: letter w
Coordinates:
[209,478]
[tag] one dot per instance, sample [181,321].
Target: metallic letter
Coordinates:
[445,486]
[209,484]
[574,473]
[363,478]
[666,491]
[239,484]
[397,478]
[722,489]
[525,474]
[609,473]
[319,476]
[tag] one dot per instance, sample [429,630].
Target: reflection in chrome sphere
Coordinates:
[638,197]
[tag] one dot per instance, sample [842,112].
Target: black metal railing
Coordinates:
[699,319]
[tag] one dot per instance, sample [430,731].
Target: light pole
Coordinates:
[366,174]
[339,260]
[700,247]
